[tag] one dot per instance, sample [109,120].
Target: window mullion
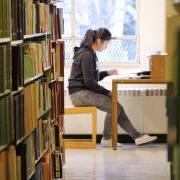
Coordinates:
[73,18]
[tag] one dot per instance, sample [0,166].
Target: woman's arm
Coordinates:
[104,74]
[89,72]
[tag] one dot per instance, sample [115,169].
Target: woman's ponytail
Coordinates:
[92,35]
[89,38]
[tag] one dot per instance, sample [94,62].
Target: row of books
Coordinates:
[30,154]
[37,57]
[29,17]
[41,17]
[5,11]
[8,168]
[57,99]
[57,22]
[49,168]
[20,163]
[5,68]
[26,107]
[58,59]
[36,102]
[42,137]
[43,169]
[36,17]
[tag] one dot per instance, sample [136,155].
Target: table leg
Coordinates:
[114,116]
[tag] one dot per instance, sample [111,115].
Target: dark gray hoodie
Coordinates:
[84,72]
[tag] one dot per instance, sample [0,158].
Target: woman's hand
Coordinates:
[110,93]
[112,72]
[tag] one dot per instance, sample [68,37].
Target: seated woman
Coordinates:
[84,89]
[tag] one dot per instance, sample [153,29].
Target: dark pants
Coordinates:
[104,103]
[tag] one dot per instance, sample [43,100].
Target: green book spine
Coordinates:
[2,68]
[1,122]
[4,19]
[9,28]
[8,68]
[1,19]
[11,119]
[28,63]
[4,120]
[7,122]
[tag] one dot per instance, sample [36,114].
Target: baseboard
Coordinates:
[122,138]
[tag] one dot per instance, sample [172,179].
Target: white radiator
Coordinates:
[144,106]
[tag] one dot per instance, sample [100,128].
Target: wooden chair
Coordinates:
[82,143]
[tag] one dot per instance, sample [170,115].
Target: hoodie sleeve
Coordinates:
[102,75]
[89,72]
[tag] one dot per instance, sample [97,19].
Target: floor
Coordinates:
[127,163]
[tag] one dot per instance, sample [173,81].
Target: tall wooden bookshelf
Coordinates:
[173,77]
[31,90]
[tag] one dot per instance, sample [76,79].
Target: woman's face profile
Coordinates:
[102,44]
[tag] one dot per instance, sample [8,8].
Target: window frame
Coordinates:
[136,37]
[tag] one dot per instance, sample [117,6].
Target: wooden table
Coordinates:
[115,83]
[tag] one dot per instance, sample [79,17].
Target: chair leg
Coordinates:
[94,125]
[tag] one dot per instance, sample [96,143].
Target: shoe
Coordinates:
[145,139]
[108,143]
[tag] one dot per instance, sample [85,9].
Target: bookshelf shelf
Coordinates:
[58,40]
[44,153]
[30,80]
[25,137]
[44,113]
[5,40]
[60,79]
[56,1]
[15,43]
[3,147]
[30,176]
[53,122]
[30,36]
[7,92]
[20,89]
[52,81]
[47,68]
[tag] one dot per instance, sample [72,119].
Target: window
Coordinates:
[119,16]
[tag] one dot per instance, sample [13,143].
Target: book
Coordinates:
[3,165]
[57,55]
[5,9]
[18,113]
[17,19]
[12,169]
[5,69]
[26,153]
[6,121]
[57,165]
[17,67]
[2,67]
[18,164]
